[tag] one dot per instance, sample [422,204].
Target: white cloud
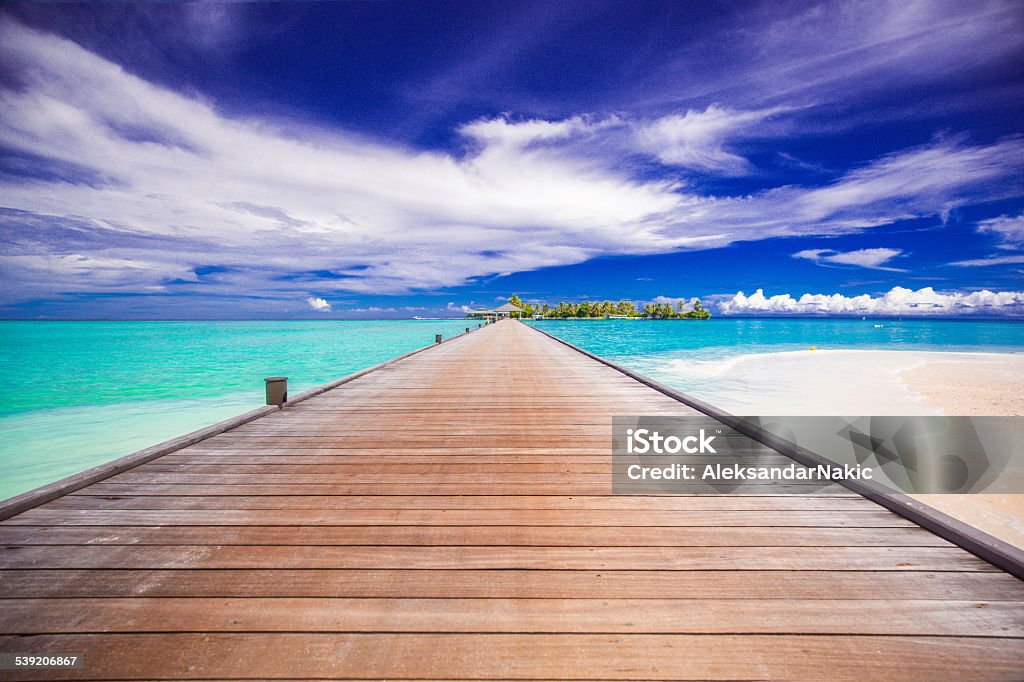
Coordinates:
[1009,229]
[697,139]
[35,274]
[904,183]
[157,177]
[874,259]
[897,301]
[318,304]
[504,133]
[996,260]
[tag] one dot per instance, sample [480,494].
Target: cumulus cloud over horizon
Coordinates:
[318,304]
[896,301]
[126,186]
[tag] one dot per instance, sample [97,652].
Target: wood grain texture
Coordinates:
[450,516]
[512,584]
[650,616]
[439,656]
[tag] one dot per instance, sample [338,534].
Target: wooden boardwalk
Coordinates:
[450,516]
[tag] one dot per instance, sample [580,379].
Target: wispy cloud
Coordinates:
[1009,230]
[994,260]
[925,180]
[831,56]
[501,133]
[697,139]
[897,301]
[874,259]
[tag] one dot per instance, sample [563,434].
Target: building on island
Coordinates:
[507,310]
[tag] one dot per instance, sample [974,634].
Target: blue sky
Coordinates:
[384,159]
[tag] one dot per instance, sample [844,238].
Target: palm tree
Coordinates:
[699,312]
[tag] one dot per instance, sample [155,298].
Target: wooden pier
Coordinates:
[450,516]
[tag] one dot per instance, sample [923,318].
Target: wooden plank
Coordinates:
[592,471]
[477,502]
[299,489]
[517,656]
[459,517]
[208,489]
[523,615]
[533,422]
[389,457]
[386,439]
[552,478]
[504,558]
[599,470]
[897,586]
[397,475]
[557,536]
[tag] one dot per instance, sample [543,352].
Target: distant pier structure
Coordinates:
[503,312]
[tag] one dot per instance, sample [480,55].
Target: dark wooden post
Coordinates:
[277,390]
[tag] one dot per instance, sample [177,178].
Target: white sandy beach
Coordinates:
[871,382]
[847,382]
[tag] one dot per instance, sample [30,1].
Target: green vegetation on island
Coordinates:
[601,309]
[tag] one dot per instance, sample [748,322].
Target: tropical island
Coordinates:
[563,310]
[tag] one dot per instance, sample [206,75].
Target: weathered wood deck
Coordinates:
[450,516]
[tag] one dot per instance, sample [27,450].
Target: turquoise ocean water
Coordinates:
[77,394]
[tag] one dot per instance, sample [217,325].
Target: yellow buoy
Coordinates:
[814,348]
